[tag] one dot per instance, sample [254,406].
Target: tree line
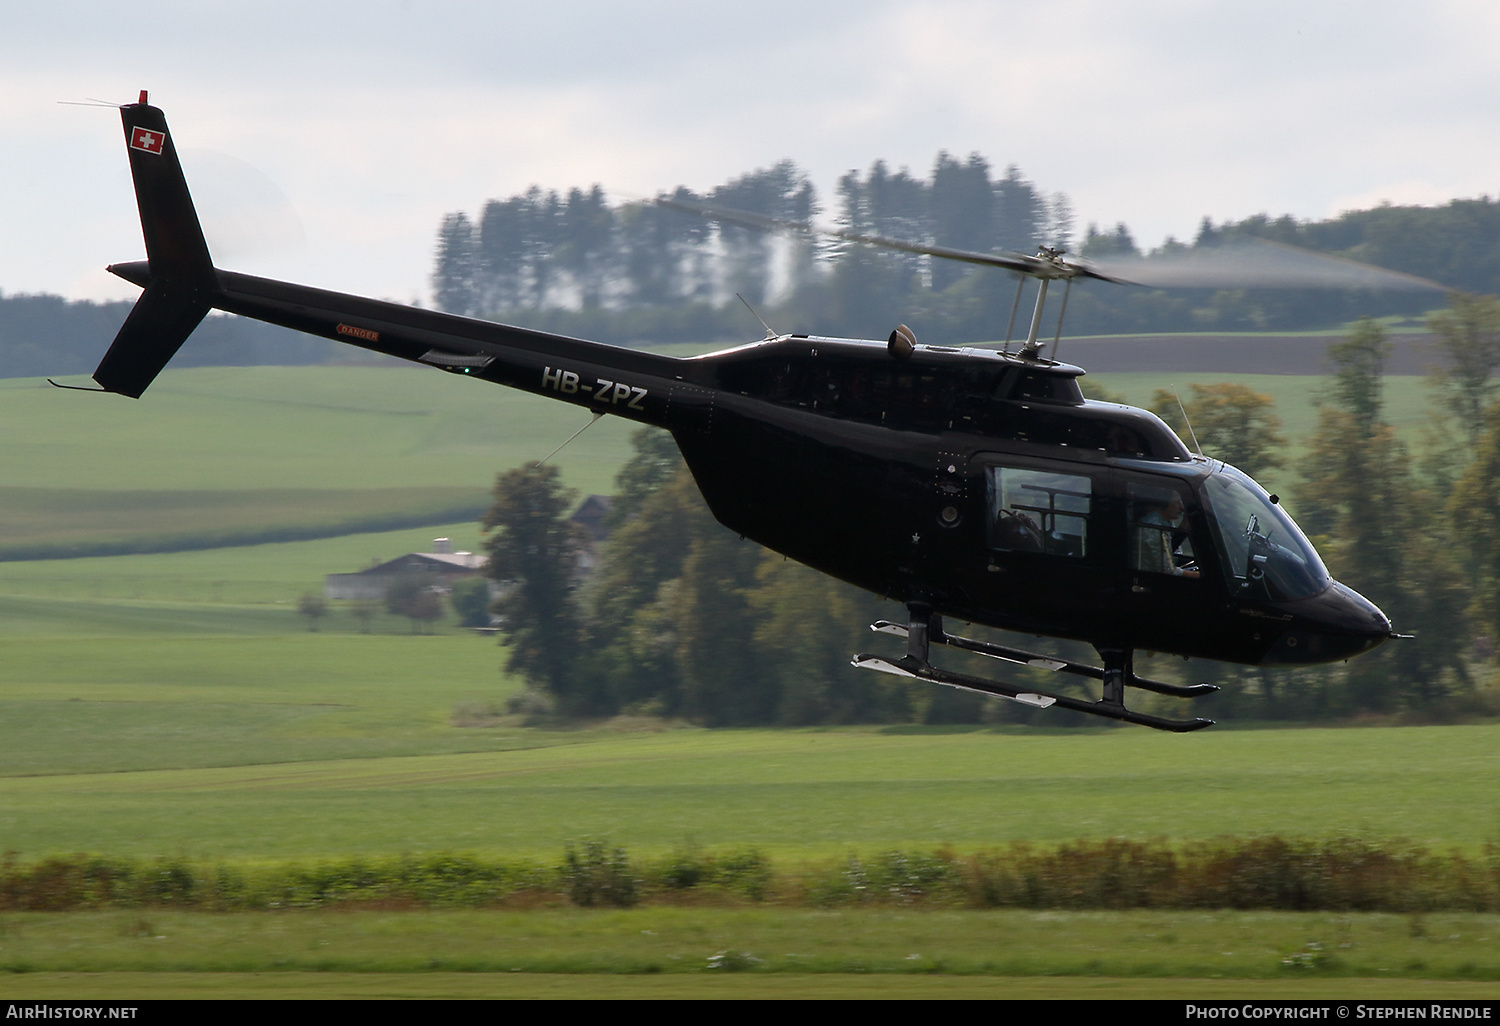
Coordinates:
[682,618]
[640,272]
[634,273]
[48,336]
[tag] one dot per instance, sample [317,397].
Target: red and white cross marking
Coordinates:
[145,139]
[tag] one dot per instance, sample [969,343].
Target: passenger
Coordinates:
[1154,549]
[1018,532]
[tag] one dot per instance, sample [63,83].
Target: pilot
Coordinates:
[1154,539]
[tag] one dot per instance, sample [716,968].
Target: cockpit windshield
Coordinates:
[1260,546]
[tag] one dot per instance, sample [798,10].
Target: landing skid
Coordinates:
[1043,662]
[1116,674]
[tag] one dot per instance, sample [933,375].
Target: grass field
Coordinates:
[227,587]
[708,985]
[62,523]
[762,942]
[285,743]
[174,705]
[294,427]
[228,452]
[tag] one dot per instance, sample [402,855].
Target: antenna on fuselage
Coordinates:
[592,421]
[1191,433]
[769,333]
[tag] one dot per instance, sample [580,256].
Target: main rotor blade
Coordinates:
[1257,264]
[1036,267]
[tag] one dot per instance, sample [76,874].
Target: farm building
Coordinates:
[443,565]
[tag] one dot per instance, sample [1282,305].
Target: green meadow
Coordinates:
[226,589]
[439,984]
[762,943]
[247,428]
[173,704]
[238,455]
[61,523]
[218,774]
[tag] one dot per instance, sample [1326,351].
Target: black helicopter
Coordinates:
[963,482]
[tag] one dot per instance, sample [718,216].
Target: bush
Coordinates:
[599,876]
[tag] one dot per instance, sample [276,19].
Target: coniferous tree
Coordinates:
[662,251]
[454,282]
[543,241]
[588,251]
[504,278]
[780,191]
[963,207]
[1020,212]
[1118,243]
[873,289]
[1059,228]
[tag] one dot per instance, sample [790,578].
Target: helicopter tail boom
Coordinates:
[182,285]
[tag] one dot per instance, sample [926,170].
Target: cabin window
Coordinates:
[1160,538]
[1261,548]
[1040,511]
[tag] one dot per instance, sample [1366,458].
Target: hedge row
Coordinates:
[1235,873]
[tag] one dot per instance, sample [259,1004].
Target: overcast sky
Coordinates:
[356,126]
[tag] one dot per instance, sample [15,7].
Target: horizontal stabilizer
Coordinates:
[158,325]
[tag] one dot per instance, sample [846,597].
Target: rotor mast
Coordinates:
[1033,348]
[1049,264]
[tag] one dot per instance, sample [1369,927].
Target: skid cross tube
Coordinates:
[926,627]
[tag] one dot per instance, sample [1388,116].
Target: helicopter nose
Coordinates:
[1337,623]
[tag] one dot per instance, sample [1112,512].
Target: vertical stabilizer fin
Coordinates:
[182,284]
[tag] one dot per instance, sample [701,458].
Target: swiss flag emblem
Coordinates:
[145,139]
